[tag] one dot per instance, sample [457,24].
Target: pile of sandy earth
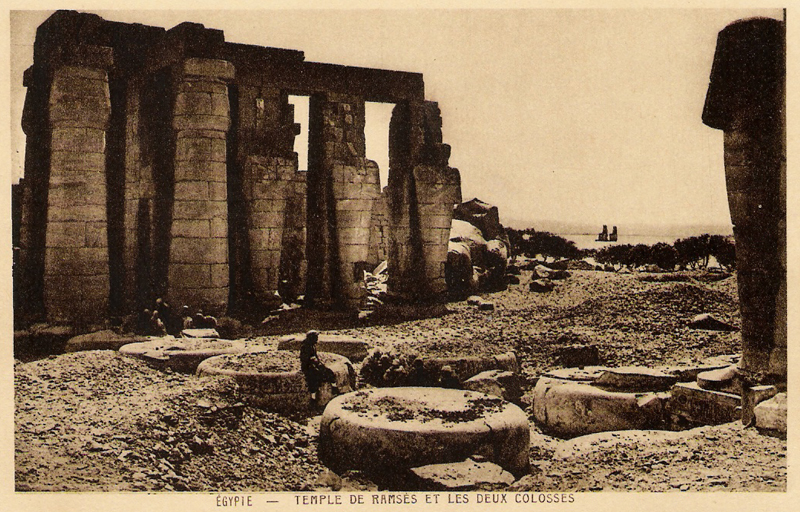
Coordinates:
[102,422]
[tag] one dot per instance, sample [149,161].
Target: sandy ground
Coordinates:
[96,421]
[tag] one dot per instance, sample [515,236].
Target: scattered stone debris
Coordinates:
[503,384]
[541,286]
[709,323]
[473,474]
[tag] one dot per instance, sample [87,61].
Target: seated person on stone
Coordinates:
[314,371]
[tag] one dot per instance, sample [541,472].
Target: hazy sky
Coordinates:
[581,116]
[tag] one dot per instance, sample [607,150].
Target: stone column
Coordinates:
[422,192]
[198,257]
[342,187]
[746,99]
[76,275]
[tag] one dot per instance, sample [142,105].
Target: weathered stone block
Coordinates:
[269,190]
[76,261]
[195,123]
[198,250]
[68,194]
[635,378]
[570,409]
[196,149]
[201,171]
[66,234]
[272,218]
[189,276]
[263,240]
[96,234]
[500,383]
[78,212]
[703,406]
[202,86]
[88,140]
[194,104]
[752,396]
[220,275]
[219,228]
[192,210]
[354,236]
[80,162]
[191,190]
[209,68]
[266,258]
[191,228]
[771,415]
[218,191]
[206,296]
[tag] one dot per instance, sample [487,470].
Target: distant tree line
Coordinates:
[693,252]
[532,244]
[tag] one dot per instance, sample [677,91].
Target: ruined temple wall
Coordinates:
[168,173]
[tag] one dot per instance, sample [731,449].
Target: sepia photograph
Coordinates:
[409,257]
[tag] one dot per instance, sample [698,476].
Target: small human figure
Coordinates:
[157,326]
[187,318]
[199,320]
[448,378]
[314,371]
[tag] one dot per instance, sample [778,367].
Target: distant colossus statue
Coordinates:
[160,163]
[746,99]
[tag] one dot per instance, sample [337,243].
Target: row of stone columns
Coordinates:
[343,187]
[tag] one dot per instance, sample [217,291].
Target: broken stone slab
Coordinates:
[474,300]
[689,373]
[585,374]
[467,475]
[722,379]
[503,384]
[703,406]
[771,416]
[200,333]
[578,355]
[468,366]
[543,272]
[180,354]
[390,430]
[347,346]
[568,409]
[707,322]
[486,306]
[279,390]
[752,396]
[635,378]
[541,286]
[101,340]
